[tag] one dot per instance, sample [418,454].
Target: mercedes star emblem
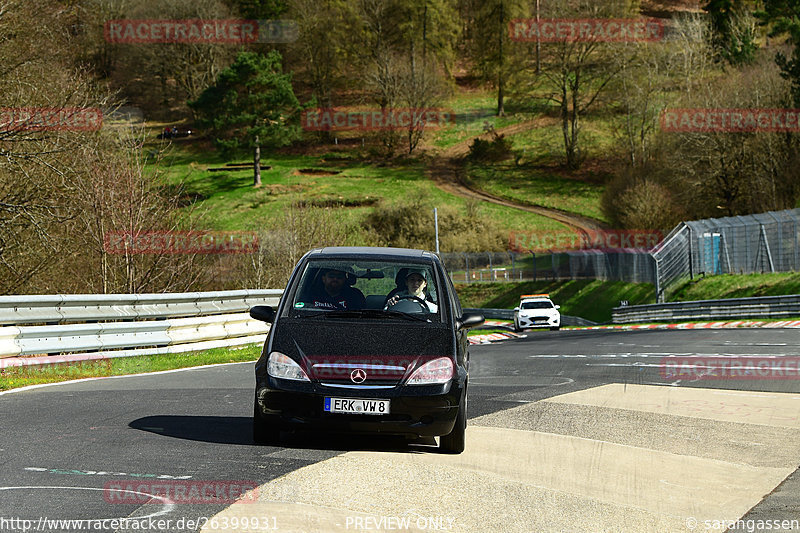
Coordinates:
[358,376]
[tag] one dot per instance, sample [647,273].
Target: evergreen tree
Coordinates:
[252,104]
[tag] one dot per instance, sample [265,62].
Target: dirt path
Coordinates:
[445,171]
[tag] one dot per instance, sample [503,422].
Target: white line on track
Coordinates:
[646,355]
[168,504]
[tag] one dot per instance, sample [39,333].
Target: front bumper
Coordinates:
[538,321]
[425,411]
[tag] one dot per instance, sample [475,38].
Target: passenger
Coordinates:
[336,293]
[415,286]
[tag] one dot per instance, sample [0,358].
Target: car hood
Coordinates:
[330,350]
[539,312]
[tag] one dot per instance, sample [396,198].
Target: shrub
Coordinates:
[497,149]
[411,225]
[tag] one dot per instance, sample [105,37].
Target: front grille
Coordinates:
[374,374]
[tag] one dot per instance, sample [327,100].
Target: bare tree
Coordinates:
[279,249]
[421,89]
[732,173]
[169,74]
[37,161]
[494,56]
[575,72]
[692,55]
[323,27]
[121,196]
[640,91]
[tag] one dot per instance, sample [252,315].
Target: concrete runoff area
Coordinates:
[600,459]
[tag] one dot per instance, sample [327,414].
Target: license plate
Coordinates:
[358,406]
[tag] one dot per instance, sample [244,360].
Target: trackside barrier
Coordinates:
[508,314]
[757,307]
[190,320]
[65,308]
[500,314]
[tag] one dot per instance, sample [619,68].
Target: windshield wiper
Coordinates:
[400,314]
[313,314]
[364,313]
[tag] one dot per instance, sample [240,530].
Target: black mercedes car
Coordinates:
[365,340]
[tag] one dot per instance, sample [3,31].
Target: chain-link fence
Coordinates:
[766,242]
[634,266]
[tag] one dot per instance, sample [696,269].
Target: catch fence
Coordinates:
[766,242]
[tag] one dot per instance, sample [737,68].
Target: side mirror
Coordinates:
[469,320]
[263,313]
[558,307]
[516,309]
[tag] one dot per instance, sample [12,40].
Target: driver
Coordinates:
[336,293]
[415,286]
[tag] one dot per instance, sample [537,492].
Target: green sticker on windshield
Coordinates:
[300,304]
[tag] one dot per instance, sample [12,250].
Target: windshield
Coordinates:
[537,305]
[366,289]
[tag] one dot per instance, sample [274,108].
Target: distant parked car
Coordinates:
[365,340]
[174,133]
[536,311]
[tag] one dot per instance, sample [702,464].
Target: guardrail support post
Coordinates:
[691,261]
[659,296]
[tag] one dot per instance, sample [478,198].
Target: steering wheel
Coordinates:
[415,299]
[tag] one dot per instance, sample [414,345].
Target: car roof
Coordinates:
[369,252]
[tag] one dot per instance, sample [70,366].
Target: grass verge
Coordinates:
[736,286]
[15,377]
[227,200]
[528,184]
[474,332]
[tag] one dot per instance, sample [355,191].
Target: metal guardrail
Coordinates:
[66,308]
[756,307]
[128,324]
[508,314]
[497,314]
[91,326]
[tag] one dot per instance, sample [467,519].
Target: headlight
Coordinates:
[284,367]
[433,372]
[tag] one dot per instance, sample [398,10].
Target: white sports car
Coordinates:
[536,311]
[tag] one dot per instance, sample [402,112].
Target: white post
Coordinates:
[436,225]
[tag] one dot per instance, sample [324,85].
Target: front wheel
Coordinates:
[264,431]
[555,328]
[455,441]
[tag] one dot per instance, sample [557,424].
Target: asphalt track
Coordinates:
[568,431]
